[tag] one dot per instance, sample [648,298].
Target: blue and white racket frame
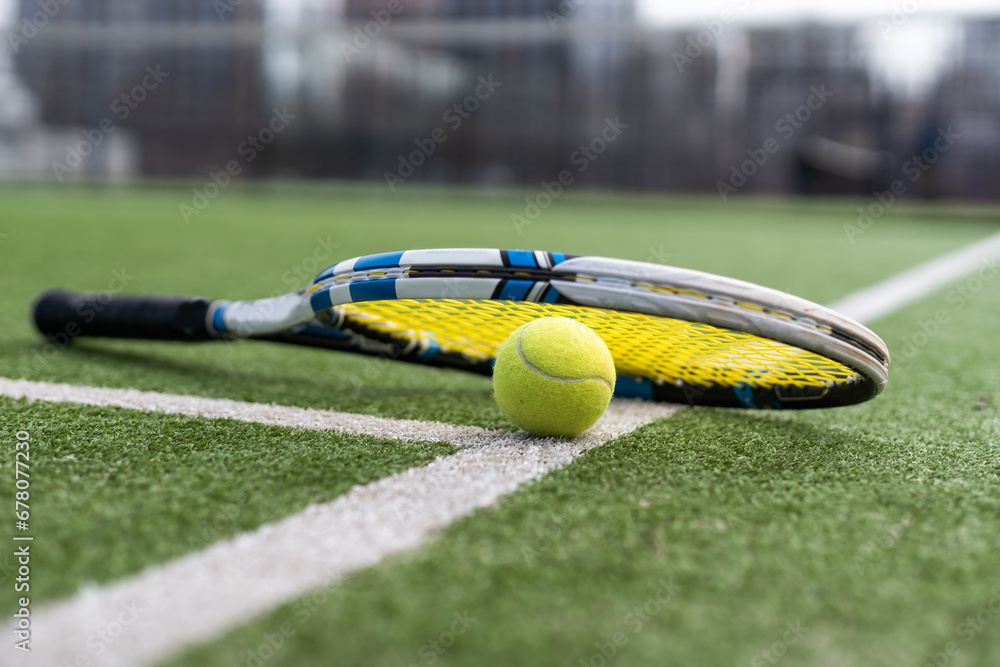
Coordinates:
[310,316]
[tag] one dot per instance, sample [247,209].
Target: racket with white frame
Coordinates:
[675,334]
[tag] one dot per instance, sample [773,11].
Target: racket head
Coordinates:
[676,334]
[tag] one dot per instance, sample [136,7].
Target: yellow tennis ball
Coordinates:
[554,376]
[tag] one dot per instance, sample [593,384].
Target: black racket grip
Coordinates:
[62,315]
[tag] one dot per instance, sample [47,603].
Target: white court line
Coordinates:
[904,288]
[201,595]
[261,413]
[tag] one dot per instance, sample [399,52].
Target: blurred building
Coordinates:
[373,91]
[808,89]
[29,147]
[369,87]
[968,97]
[19,127]
[92,61]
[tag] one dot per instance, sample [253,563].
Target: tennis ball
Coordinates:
[554,376]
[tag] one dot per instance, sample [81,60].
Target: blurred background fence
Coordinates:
[492,92]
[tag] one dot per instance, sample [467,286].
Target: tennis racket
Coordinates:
[675,334]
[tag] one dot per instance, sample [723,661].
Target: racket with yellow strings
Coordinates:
[675,334]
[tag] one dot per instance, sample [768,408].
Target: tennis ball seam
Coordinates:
[532,367]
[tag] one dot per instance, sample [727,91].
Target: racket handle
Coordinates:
[63,315]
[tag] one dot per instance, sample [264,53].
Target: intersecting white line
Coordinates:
[203,594]
[902,289]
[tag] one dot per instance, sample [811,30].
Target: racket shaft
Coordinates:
[62,315]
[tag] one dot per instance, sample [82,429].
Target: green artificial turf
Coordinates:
[873,531]
[113,490]
[875,526]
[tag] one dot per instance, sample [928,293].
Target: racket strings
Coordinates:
[662,349]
